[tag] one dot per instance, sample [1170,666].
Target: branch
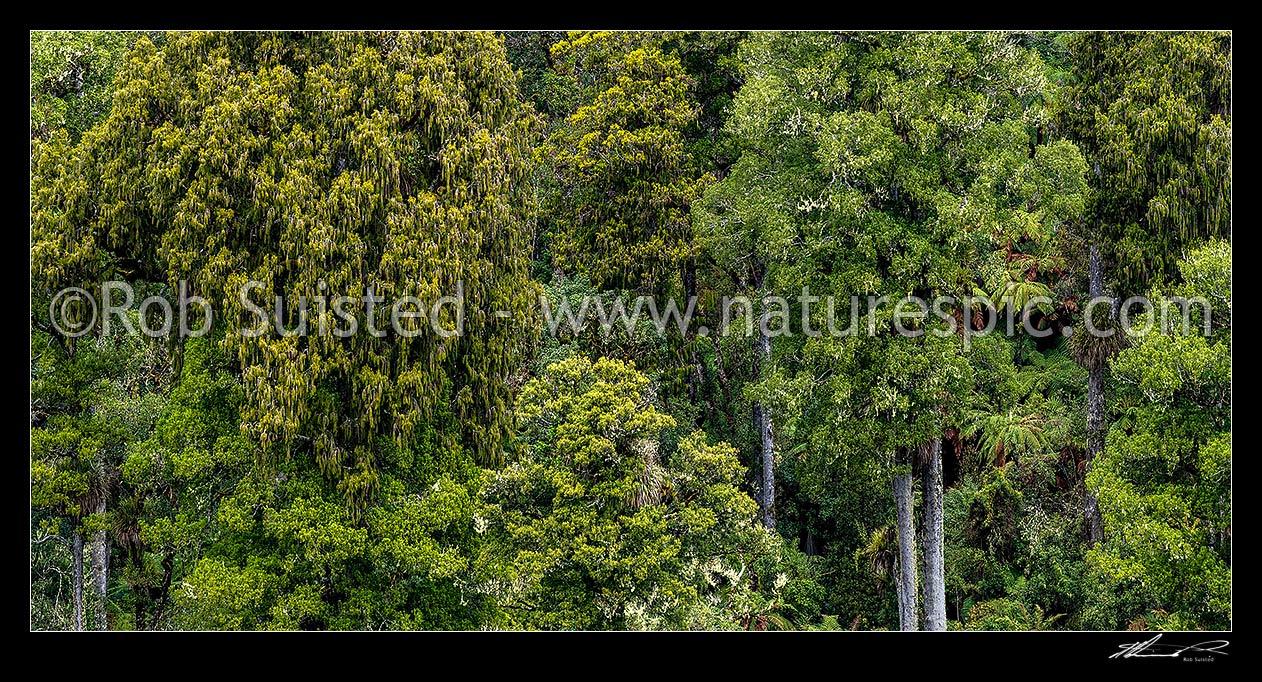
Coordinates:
[52,333]
[46,538]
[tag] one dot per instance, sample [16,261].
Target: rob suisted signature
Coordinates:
[1152,649]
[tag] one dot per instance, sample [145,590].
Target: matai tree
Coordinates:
[885,166]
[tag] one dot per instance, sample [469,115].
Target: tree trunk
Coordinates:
[935,582]
[721,370]
[761,415]
[690,295]
[1095,407]
[762,421]
[906,583]
[76,560]
[100,571]
[168,568]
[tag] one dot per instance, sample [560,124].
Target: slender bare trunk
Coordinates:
[1095,407]
[76,561]
[762,416]
[768,474]
[935,580]
[906,583]
[100,571]
[762,421]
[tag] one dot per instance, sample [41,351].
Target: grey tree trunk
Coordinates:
[906,583]
[100,571]
[935,580]
[76,561]
[1095,406]
[762,421]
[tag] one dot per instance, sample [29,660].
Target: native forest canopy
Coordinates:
[760,468]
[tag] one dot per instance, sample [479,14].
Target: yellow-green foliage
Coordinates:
[1153,112]
[320,164]
[1164,478]
[599,529]
[625,177]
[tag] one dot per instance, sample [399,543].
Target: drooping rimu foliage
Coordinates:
[326,164]
[624,174]
[1159,140]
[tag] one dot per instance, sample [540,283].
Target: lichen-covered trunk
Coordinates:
[76,562]
[906,583]
[1095,407]
[935,579]
[100,571]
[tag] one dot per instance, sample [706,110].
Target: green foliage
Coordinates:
[175,479]
[711,60]
[1007,434]
[72,74]
[1011,544]
[513,477]
[604,331]
[91,401]
[285,552]
[320,165]
[886,164]
[1006,614]
[552,94]
[598,528]
[1159,139]
[620,163]
[1164,478]
[859,179]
